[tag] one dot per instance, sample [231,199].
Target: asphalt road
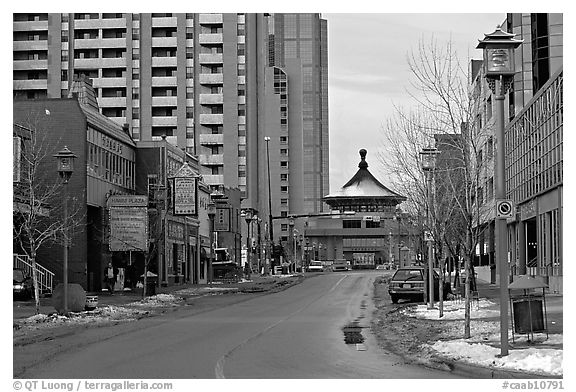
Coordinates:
[293,334]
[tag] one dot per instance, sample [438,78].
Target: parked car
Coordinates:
[315,266]
[408,283]
[382,267]
[22,284]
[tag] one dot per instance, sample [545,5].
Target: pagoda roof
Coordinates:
[364,185]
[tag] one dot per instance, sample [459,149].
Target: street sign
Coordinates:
[504,209]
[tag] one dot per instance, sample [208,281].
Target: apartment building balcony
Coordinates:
[100,43]
[210,39]
[211,119]
[164,81]
[164,101]
[211,58]
[164,121]
[114,62]
[29,64]
[108,82]
[164,42]
[211,99]
[113,23]
[37,84]
[211,78]
[164,61]
[30,45]
[211,159]
[213,179]
[112,102]
[208,139]
[30,26]
[207,19]
[164,21]
[80,24]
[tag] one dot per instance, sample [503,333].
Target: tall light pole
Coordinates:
[270,223]
[211,215]
[428,165]
[290,235]
[65,169]
[499,71]
[247,215]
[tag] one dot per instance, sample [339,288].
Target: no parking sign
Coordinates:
[504,209]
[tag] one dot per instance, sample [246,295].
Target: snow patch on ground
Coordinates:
[535,360]
[158,300]
[454,310]
[99,315]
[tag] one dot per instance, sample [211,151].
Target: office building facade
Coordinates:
[534,152]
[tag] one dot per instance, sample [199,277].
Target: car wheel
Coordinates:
[394,299]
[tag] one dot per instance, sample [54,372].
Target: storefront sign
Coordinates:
[128,229]
[185,196]
[222,219]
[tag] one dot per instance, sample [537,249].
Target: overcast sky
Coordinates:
[368,73]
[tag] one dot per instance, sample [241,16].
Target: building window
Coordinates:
[284,164]
[351,224]
[135,113]
[284,227]
[284,189]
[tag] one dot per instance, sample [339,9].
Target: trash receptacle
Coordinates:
[528,314]
[151,281]
[91,302]
[150,286]
[528,308]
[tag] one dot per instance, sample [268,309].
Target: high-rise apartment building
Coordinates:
[179,76]
[215,85]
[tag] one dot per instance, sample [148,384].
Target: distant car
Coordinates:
[382,267]
[408,283]
[341,265]
[22,284]
[315,266]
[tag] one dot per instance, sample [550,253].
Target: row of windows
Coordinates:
[110,167]
[534,145]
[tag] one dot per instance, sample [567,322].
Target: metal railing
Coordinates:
[45,277]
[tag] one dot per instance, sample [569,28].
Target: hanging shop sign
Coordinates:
[222,219]
[185,196]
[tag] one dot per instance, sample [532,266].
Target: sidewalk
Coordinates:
[25,309]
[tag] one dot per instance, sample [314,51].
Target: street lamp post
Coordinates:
[65,169]
[247,214]
[291,234]
[499,71]
[270,222]
[428,165]
[211,215]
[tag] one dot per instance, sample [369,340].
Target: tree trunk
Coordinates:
[35,282]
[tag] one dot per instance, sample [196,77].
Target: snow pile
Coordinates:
[534,360]
[158,300]
[99,315]
[454,310]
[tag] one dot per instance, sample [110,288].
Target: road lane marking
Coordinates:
[219,369]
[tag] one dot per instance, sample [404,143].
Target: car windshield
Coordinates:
[316,263]
[407,275]
[18,275]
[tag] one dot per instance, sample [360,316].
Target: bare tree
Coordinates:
[444,114]
[38,208]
